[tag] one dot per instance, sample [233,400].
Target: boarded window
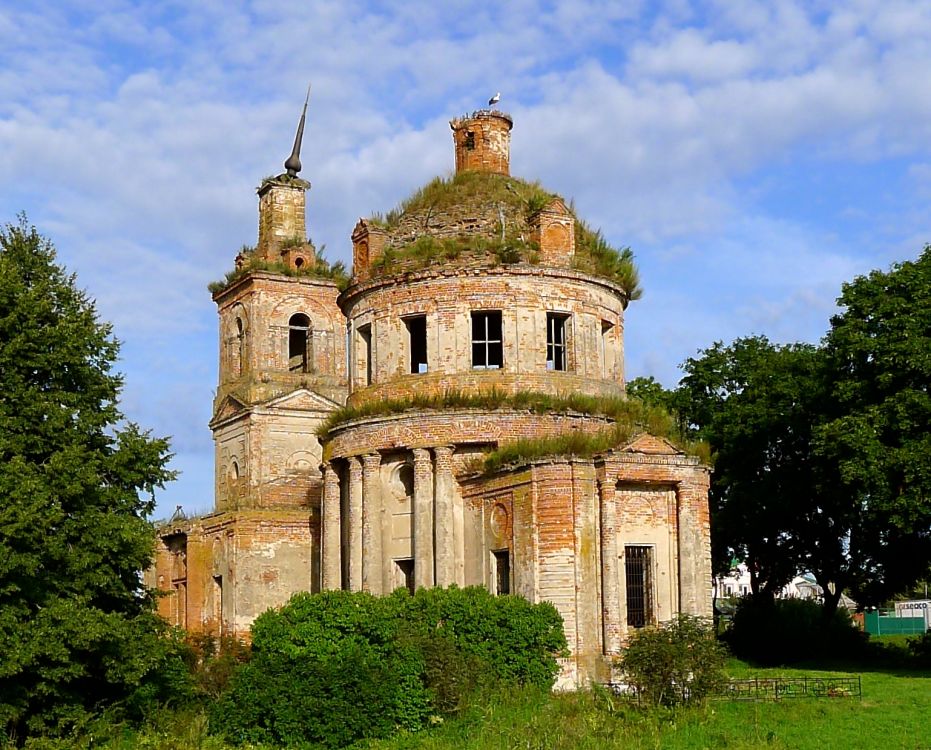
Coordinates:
[502,560]
[487,348]
[417,343]
[299,343]
[556,341]
[638,567]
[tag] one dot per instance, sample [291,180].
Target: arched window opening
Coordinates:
[239,347]
[299,343]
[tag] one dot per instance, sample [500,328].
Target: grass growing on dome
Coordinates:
[518,200]
[595,255]
[630,415]
[465,189]
[428,250]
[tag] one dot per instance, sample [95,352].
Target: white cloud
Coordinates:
[134,134]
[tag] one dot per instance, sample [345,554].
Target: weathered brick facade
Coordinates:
[615,541]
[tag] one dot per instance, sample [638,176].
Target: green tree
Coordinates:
[77,630]
[879,432]
[756,403]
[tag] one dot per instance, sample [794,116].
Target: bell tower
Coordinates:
[282,358]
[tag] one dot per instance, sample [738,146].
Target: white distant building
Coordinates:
[737,584]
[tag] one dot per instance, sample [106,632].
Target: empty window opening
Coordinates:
[607,354]
[298,343]
[218,604]
[470,140]
[487,350]
[298,262]
[364,354]
[405,570]
[234,470]
[638,574]
[417,342]
[239,347]
[502,560]
[556,341]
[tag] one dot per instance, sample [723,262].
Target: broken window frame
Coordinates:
[416,326]
[557,334]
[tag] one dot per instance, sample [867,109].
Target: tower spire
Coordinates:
[293,162]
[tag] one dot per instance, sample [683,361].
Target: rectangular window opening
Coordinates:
[556,341]
[218,604]
[405,571]
[364,354]
[487,347]
[638,574]
[417,343]
[607,355]
[502,571]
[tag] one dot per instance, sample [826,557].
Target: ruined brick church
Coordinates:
[353,420]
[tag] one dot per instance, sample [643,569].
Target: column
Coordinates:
[355,524]
[445,489]
[610,591]
[423,518]
[371,523]
[694,546]
[330,562]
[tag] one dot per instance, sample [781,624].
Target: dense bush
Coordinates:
[331,668]
[787,631]
[919,648]
[678,662]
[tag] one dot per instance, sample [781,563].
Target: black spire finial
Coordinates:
[293,163]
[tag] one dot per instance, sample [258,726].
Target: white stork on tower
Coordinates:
[494,100]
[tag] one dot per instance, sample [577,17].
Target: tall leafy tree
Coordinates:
[756,404]
[77,630]
[879,433]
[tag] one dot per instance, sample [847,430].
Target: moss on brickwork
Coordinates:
[479,217]
[322,269]
[631,416]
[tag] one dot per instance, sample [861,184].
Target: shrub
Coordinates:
[786,631]
[518,641]
[678,662]
[919,648]
[341,666]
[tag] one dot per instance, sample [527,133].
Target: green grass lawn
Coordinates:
[895,712]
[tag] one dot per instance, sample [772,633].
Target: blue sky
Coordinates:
[754,155]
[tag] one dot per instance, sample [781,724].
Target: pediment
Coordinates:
[650,444]
[229,407]
[302,399]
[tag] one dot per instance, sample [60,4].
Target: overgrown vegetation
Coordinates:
[321,268]
[337,667]
[676,663]
[501,197]
[789,631]
[630,417]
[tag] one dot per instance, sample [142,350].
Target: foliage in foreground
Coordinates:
[77,633]
[677,663]
[340,666]
[789,631]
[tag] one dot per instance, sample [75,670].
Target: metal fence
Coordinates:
[778,688]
